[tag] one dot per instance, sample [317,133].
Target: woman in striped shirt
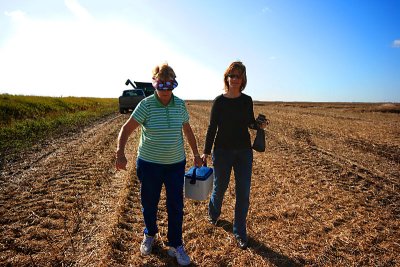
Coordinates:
[161,158]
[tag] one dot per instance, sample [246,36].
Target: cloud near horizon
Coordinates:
[86,56]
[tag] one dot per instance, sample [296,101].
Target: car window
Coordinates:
[133,93]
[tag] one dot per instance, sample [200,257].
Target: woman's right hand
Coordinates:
[120,162]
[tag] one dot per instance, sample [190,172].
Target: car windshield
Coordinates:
[134,93]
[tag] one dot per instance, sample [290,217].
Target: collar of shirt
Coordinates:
[170,104]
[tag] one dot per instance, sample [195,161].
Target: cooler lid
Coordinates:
[202,173]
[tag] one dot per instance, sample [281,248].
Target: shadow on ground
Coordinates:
[264,251]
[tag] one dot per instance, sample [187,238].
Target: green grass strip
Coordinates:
[27,120]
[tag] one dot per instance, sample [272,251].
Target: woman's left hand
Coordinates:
[263,124]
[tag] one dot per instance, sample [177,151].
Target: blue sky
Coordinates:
[294,50]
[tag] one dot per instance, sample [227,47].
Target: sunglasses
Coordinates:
[167,86]
[233,76]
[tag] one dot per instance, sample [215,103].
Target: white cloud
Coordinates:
[78,10]
[84,57]
[396,43]
[16,15]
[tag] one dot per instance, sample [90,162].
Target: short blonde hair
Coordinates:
[235,66]
[163,73]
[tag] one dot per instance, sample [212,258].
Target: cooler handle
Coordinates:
[193,179]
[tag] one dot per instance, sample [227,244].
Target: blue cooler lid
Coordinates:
[199,173]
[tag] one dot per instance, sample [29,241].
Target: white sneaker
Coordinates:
[146,245]
[180,254]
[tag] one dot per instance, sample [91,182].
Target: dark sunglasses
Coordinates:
[232,76]
[165,86]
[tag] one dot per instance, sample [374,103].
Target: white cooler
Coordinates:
[198,182]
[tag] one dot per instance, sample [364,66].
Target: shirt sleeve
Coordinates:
[212,128]
[140,113]
[250,112]
[185,114]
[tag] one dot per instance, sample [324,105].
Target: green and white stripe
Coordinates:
[161,139]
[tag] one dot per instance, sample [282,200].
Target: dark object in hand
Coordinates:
[259,141]
[261,119]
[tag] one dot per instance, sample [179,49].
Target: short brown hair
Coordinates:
[241,68]
[163,72]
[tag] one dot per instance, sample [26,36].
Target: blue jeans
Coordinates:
[152,176]
[242,162]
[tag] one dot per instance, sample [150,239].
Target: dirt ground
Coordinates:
[325,193]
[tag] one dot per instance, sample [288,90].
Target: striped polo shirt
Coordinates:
[161,140]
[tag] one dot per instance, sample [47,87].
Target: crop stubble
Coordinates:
[326,191]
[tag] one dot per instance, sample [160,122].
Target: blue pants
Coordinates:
[241,161]
[152,176]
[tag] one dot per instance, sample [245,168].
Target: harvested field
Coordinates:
[325,193]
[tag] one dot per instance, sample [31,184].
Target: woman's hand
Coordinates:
[120,162]
[198,162]
[204,159]
[263,124]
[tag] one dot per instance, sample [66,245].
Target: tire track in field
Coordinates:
[346,203]
[308,136]
[352,175]
[48,209]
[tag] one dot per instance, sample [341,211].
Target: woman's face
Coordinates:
[164,95]
[235,79]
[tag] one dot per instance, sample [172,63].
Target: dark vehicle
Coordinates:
[146,87]
[130,98]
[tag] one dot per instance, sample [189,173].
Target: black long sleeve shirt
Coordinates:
[229,122]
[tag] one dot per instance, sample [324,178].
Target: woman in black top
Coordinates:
[231,116]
